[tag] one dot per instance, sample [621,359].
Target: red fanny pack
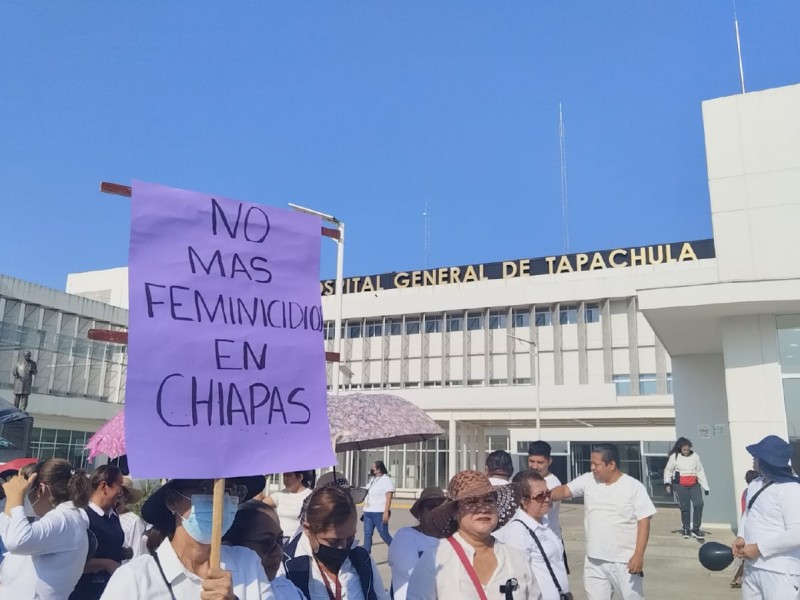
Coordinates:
[687,480]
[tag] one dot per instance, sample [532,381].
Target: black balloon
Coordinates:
[715,556]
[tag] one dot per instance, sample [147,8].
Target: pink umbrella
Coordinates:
[109,439]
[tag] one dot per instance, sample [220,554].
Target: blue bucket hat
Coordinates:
[774,455]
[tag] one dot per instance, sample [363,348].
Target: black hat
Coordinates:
[715,556]
[156,512]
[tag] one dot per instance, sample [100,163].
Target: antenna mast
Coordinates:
[427,242]
[564,194]
[738,46]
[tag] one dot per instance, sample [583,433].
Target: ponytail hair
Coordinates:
[63,482]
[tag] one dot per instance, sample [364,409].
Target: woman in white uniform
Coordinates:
[179,545]
[288,502]
[410,543]
[50,553]
[469,563]
[323,563]
[530,532]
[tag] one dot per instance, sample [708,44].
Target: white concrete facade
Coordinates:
[724,334]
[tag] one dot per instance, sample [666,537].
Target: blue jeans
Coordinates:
[372,521]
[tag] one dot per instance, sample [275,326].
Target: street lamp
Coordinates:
[337,333]
[533,347]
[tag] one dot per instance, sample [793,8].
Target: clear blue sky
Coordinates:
[364,110]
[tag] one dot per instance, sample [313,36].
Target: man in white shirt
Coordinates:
[539,460]
[617,513]
[378,504]
[499,467]
[769,532]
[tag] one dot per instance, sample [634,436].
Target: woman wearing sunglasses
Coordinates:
[530,532]
[468,563]
[179,547]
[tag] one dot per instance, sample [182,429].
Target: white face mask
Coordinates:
[27,505]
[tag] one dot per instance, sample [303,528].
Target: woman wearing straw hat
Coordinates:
[410,542]
[179,545]
[468,563]
[769,532]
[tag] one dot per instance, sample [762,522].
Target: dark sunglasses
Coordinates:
[540,497]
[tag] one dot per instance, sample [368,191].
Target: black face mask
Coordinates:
[331,557]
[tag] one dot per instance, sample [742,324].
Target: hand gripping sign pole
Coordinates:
[121,337]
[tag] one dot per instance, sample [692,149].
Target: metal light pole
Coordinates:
[533,347]
[337,333]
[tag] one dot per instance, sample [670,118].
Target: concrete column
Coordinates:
[701,401]
[755,389]
[452,449]
[481,456]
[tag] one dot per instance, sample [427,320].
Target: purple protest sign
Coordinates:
[226,362]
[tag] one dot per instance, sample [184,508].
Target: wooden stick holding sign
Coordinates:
[216,528]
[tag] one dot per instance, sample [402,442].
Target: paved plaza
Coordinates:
[671,568]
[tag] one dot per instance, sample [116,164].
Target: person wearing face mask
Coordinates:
[323,563]
[684,474]
[529,531]
[469,563]
[179,547]
[378,505]
[46,555]
[106,486]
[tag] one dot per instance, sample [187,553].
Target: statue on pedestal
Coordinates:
[24,372]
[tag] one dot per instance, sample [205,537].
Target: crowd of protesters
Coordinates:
[69,535]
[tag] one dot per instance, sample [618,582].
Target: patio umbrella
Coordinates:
[109,439]
[362,421]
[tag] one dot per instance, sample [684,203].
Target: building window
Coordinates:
[498,381]
[648,384]
[455,382]
[59,443]
[592,313]
[428,384]
[474,321]
[522,380]
[433,324]
[412,326]
[498,319]
[455,323]
[373,329]
[329,330]
[669,383]
[543,317]
[568,315]
[623,384]
[394,326]
[411,384]
[474,382]
[353,330]
[521,317]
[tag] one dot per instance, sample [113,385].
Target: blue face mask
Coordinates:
[200,520]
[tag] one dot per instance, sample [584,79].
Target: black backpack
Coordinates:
[298,568]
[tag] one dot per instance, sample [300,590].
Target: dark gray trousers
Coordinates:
[688,496]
